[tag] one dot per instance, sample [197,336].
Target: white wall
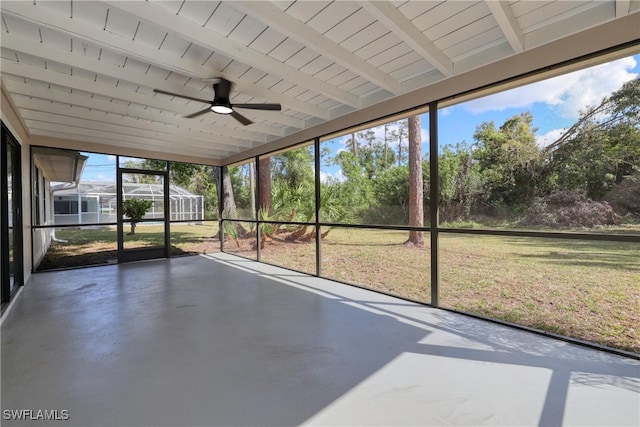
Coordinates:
[11,119]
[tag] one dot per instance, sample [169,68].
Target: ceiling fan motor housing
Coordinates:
[221,89]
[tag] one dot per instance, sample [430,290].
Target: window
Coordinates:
[36,205]
[539,205]
[69,207]
[44,200]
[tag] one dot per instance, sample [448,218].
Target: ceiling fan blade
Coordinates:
[182,96]
[272,107]
[198,113]
[239,117]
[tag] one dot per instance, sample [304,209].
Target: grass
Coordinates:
[588,290]
[574,288]
[95,246]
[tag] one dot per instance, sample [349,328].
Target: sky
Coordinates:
[554,103]
[99,167]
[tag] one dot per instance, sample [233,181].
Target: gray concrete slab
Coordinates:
[220,340]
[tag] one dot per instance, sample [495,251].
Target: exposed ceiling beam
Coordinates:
[38,109]
[133,111]
[210,39]
[161,139]
[76,29]
[64,24]
[103,89]
[121,73]
[49,129]
[508,23]
[622,8]
[291,27]
[402,27]
[73,142]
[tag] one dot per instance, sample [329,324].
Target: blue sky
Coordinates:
[555,104]
[102,167]
[99,167]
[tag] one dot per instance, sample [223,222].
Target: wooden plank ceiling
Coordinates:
[86,70]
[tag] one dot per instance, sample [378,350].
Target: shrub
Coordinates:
[624,197]
[136,209]
[568,208]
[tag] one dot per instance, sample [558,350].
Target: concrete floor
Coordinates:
[225,341]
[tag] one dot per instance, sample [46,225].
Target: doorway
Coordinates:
[143,214]
[11,256]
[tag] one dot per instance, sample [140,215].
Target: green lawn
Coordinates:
[588,290]
[94,246]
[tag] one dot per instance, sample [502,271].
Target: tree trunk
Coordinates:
[228,202]
[217,177]
[264,192]
[386,143]
[354,144]
[416,212]
[252,186]
[133,229]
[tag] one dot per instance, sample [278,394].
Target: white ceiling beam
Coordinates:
[146,54]
[118,132]
[402,27]
[503,14]
[75,28]
[38,109]
[99,88]
[274,17]
[622,8]
[109,146]
[210,39]
[49,129]
[128,112]
[122,73]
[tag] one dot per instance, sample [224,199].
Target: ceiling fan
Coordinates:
[221,104]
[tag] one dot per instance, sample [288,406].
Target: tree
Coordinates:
[387,136]
[355,194]
[135,209]
[391,190]
[353,142]
[264,192]
[602,148]
[459,181]
[199,179]
[416,198]
[139,178]
[228,200]
[510,161]
[400,135]
[293,184]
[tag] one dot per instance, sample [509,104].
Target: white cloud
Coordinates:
[446,111]
[569,93]
[549,137]
[332,176]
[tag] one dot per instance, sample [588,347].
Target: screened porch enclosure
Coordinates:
[96,203]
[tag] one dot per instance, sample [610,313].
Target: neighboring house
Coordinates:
[95,202]
[59,198]
[52,169]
